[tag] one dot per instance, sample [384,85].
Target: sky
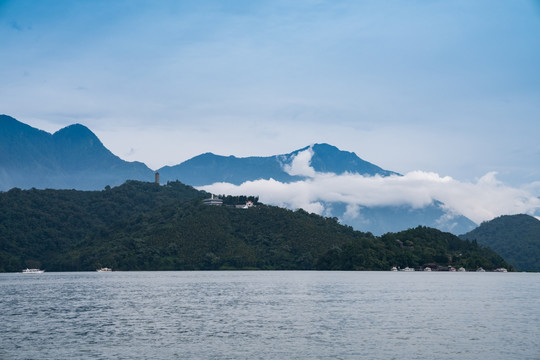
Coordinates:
[450,88]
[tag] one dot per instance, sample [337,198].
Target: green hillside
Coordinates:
[418,247]
[40,226]
[144,226]
[515,237]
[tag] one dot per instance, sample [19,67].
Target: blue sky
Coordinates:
[451,87]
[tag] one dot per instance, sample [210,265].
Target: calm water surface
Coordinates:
[270,315]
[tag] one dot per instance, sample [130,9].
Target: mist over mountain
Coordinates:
[209,168]
[71,158]
[320,179]
[74,158]
[382,219]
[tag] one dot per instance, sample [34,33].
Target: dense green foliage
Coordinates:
[515,237]
[40,226]
[419,247]
[196,236]
[144,226]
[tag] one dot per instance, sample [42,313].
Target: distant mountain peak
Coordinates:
[76,132]
[75,128]
[77,142]
[73,157]
[327,158]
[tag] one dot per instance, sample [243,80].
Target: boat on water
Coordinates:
[501,270]
[104,269]
[480,270]
[393,268]
[462,269]
[33,271]
[407,269]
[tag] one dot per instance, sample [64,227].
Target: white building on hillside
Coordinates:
[213,201]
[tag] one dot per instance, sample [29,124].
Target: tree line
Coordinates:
[145,226]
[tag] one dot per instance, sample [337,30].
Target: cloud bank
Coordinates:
[482,200]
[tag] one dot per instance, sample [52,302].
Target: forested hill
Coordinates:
[43,225]
[516,237]
[145,226]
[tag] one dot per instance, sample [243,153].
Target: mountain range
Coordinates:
[209,168]
[74,158]
[71,158]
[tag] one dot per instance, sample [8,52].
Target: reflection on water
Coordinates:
[270,315]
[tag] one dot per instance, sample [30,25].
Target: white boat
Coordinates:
[33,271]
[501,270]
[393,268]
[407,269]
[480,270]
[462,269]
[105,269]
[427,268]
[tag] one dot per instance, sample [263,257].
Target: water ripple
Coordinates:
[269,315]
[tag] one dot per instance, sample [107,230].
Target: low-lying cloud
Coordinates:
[479,201]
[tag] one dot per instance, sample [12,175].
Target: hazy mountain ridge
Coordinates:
[329,159]
[514,237]
[209,168]
[74,158]
[71,158]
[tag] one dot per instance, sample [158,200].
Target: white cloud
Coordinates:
[300,164]
[482,200]
[352,211]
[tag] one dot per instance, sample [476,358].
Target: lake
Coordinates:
[270,315]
